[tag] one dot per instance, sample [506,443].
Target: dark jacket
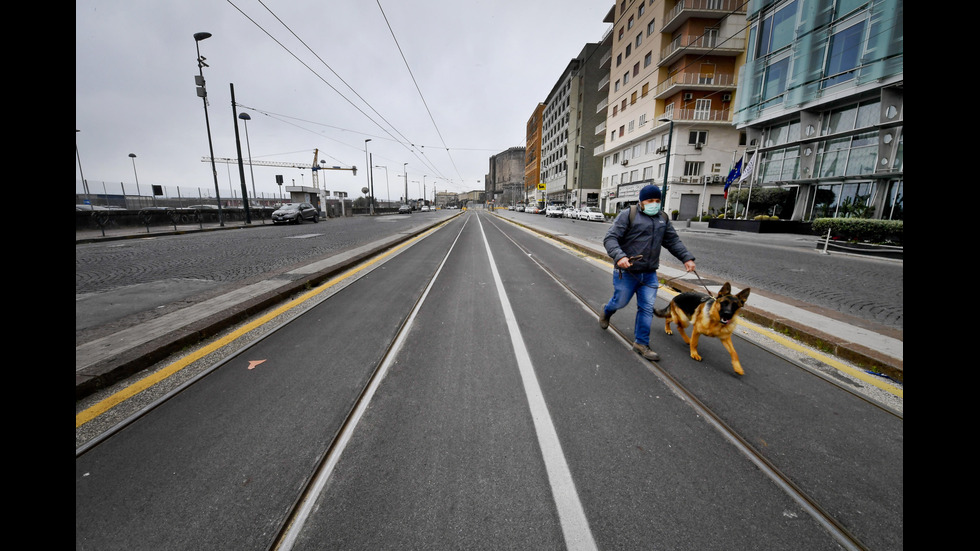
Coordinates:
[645,235]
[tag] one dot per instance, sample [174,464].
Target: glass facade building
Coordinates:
[821,99]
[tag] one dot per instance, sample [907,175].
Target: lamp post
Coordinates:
[367,162]
[670,140]
[405,173]
[133,157]
[80,173]
[246,118]
[203,94]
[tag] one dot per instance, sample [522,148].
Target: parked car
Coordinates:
[553,211]
[591,214]
[203,207]
[405,209]
[570,212]
[295,213]
[519,208]
[425,208]
[533,209]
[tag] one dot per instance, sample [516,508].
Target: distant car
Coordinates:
[591,214]
[405,209]
[295,213]
[425,208]
[519,208]
[203,207]
[570,212]
[533,209]
[553,211]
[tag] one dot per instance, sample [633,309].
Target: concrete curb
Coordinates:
[858,354]
[104,373]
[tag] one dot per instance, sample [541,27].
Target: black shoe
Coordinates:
[645,351]
[603,320]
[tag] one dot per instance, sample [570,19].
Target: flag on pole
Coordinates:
[748,168]
[733,175]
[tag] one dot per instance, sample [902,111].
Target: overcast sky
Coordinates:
[448,85]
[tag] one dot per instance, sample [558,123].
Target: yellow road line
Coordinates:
[117,398]
[793,345]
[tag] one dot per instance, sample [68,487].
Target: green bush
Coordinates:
[860,229]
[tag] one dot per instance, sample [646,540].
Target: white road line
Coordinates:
[305,508]
[574,524]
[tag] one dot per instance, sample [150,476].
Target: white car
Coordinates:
[591,214]
[570,212]
[553,210]
[425,208]
[532,209]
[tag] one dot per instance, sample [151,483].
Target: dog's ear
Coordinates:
[744,295]
[726,289]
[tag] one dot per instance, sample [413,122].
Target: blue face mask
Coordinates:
[651,209]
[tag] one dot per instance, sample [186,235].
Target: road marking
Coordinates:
[149,381]
[253,363]
[574,524]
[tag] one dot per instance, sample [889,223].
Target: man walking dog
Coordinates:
[634,242]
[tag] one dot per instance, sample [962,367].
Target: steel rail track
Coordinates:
[843,536]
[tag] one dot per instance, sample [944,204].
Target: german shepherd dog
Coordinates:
[711,317]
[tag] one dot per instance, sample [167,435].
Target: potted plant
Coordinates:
[674,213]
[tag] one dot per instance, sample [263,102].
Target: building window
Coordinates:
[650,27]
[629,23]
[632,98]
[645,90]
[776,29]
[844,54]
[697,136]
[692,168]
[648,59]
[774,82]
[636,69]
[639,40]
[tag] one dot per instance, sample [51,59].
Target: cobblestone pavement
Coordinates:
[789,265]
[230,255]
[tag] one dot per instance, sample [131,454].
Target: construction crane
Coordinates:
[314,168]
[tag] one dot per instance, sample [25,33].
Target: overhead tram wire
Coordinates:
[419,90]
[281,45]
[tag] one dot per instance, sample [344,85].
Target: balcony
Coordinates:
[604,83]
[695,81]
[700,45]
[701,9]
[701,116]
[601,107]
[600,128]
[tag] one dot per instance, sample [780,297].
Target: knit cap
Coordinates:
[649,192]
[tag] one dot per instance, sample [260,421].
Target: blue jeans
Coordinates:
[644,286]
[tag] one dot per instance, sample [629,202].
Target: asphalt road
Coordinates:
[505,419]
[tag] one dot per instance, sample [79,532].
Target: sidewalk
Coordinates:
[854,340]
[107,360]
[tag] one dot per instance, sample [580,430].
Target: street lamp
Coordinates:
[670,140]
[367,162]
[133,157]
[246,118]
[405,172]
[203,94]
[82,174]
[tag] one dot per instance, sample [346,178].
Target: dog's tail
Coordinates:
[662,313]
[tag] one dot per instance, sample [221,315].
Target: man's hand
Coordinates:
[624,263]
[689,265]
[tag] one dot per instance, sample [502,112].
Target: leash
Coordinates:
[684,274]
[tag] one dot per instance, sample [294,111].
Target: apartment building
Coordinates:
[532,154]
[821,101]
[569,171]
[670,92]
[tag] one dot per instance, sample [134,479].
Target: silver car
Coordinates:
[295,213]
